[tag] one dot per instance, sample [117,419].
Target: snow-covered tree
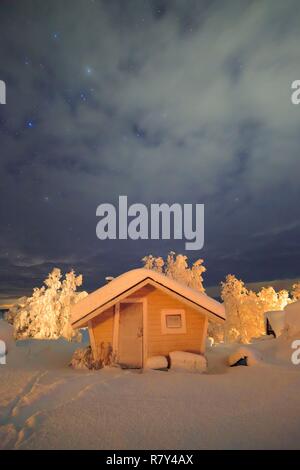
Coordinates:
[156,264]
[268,298]
[283,299]
[295,292]
[245,309]
[197,270]
[177,267]
[45,315]
[233,291]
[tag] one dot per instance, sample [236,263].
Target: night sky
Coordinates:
[184,101]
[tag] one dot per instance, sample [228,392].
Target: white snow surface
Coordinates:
[131,278]
[181,360]
[44,404]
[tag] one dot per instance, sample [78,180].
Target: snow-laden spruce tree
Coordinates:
[45,315]
[177,267]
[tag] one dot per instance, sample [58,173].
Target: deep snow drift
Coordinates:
[46,405]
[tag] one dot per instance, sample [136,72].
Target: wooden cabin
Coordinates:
[143,313]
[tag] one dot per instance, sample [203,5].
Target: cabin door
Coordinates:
[130,350]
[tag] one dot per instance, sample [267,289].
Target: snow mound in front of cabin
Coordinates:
[157,362]
[250,356]
[181,360]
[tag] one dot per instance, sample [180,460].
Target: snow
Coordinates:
[245,309]
[181,360]
[277,321]
[292,318]
[245,352]
[286,321]
[44,404]
[46,313]
[157,362]
[131,278]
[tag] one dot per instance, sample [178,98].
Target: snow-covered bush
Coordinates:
[83,359]
[45,315]
[177,267]
[216,332]
[181,360]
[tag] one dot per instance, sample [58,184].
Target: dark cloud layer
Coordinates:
[164,101]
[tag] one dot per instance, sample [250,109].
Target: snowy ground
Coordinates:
[46,405]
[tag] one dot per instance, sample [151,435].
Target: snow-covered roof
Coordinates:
[133,280]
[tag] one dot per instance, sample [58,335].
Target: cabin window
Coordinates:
[173,321]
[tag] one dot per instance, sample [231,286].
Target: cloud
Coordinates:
[183,103]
